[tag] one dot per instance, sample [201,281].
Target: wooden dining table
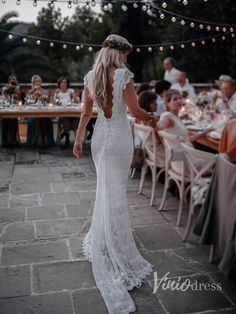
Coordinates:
[206,141]
[43,112]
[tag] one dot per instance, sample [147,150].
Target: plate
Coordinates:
[195,127]
[215,135]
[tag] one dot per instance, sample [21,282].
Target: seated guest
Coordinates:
[10,126]
[66,96]
[228,89]
[142,87]
[171,73]
[160,88]
[147,101]
[40,130]
[184,87]
[171,123]
[216,97]
[228,141]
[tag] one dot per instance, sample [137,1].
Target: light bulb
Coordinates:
[51,44]
[173,19]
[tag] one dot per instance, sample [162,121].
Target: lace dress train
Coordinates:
[116,262]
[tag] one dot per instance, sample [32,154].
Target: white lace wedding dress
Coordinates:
[116,262]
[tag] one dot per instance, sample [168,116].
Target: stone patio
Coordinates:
[46,201]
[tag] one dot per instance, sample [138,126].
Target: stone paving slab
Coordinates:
[58,303]
[45,212]
[8,215]
[28,188]
[59,198]
[17,231]
[15,281]
[60,228]
[35,253]
[82,209]
[62,275]
[24,200]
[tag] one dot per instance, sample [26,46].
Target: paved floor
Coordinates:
[46,200]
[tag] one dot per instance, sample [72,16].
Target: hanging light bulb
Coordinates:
[77,48]
[164,5]
[90,49]
[138,49]
[233,35]
[69,4]
[231,29]
[182,22]
[87,5]
[223,38]
[192,25]
[144,7]
[162,16]
[185,2]
[35,3]
[224,29]
[173,19]
[75,2]
[93,3]
[172,47]
[110,6]
[10,36]
[51,44]
[208,27]
[201,26]
[161,48]
[24,39]
[38,42]
[149,12]
[124,7]
[217,28]
[64,46]
[149,49]
[18,2]
[3,1]
[135,5]
[182,46]
[51,4]
[213,40]
[105,7]
[193,44]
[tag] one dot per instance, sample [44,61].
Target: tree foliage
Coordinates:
[202,63]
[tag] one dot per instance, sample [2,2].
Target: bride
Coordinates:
[116,262]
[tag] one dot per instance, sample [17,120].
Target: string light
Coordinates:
[35,3]
[162,16]
[69,4]
[138,48]
[173,19]
[185,2]
[124,7]
[192,25]
[144,7]
[164,5]
[93,3]
[18,2]
[135,5]
[182,22]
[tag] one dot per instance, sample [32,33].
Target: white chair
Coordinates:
[151,160]
[200,178]
[180,178]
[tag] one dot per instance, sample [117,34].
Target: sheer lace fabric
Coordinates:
[116,262]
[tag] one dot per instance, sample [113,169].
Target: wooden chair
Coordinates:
[180,178]
[200,178]
[156,165]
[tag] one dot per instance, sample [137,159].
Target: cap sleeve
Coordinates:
[87,80]
[128,75]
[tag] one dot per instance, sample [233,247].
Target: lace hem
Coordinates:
[87,247]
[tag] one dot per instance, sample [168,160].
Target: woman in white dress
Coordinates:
[171,123]
[116,262]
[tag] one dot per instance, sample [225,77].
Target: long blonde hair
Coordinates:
[111,55]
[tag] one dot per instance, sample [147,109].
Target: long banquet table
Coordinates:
[43,112]
[207,141]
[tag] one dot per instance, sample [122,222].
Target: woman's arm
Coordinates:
[84,119]
[133,106]
[195,137]
[164,123]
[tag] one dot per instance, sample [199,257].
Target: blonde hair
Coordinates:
[168,95]
[34,78]
[111,55]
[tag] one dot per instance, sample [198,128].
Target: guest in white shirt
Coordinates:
[184,87]
[65,95]
[160,88]
[228,89]
[171,73]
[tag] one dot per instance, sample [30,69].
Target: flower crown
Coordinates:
[116,45]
